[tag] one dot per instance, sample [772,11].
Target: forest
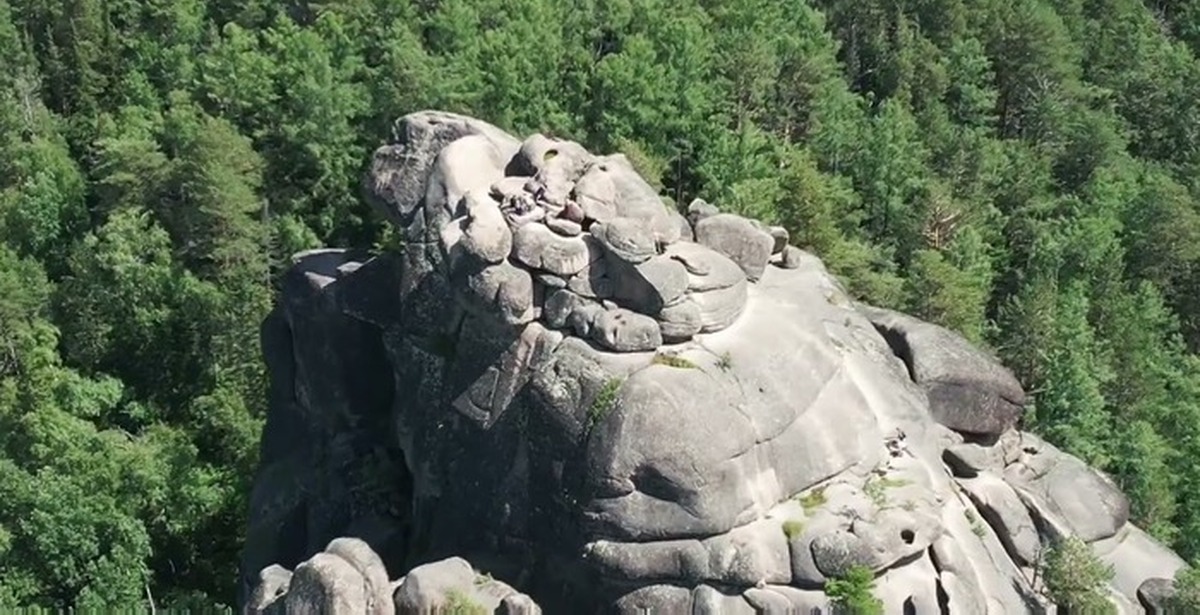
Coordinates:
[1026,172]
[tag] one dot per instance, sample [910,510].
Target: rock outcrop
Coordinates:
[613,406]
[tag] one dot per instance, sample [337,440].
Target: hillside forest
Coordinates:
[1026,172]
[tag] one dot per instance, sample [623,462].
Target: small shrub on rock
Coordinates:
[852,594]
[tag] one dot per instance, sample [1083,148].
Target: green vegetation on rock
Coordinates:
[852,593]
[1075,579]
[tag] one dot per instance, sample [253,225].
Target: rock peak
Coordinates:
[606,403]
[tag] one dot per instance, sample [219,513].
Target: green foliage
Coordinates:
[605,401]
[812,500]
[852,593]
[793,528]
[1186,598]
[1075,579]
[876,488]
[459,603]
[671,360]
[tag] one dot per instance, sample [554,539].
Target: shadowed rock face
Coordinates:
[554,381]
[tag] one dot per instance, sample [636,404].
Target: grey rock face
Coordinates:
[969,391]
[368,564]
[629,240]
[500,390]
[738,239]
[626,331]
[327,585]
[1064,492]
[396,184]
[538,247]
[485,233]
[791,257]
[1154,594]
[267,597]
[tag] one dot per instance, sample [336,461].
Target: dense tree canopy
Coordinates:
[1026,172]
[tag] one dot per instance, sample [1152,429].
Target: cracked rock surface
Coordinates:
[609,406]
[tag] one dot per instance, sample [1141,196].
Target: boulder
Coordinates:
[1063,491]
[485,233]
[1155,594]
[500,291]
[555,166]
[707,600]
[596,194]
[368,564]
[452,585]
[628,240]
[327,584]
[650,286]
[399,172]
[680,321]
[1136,557]
[634,198]
[267,596]
[739,240]
[716,284]
[792,257]
[564,227]
[537,247]
[1003,510]
[625,331]
[780,236]
[655,599]
[969,390]
[700,209]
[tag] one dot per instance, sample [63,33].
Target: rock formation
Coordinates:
[612,407]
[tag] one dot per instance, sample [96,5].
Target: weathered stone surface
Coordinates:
[625,331]
[326,584]
[1155,594]
[738,239]
[781,237]
[680,321]
[650,286]
[537,247]
[485,234]
[655,599]
[501,290]
[419,401]
[792,256]
[1002,509]
[368,564]
[700,209]
[1065,491]
[969,390]
[627,239]
[268,594]
[564,227]
[398,179]
[707,600]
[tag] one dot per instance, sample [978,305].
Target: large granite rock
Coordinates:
[968,389]
[552,381]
